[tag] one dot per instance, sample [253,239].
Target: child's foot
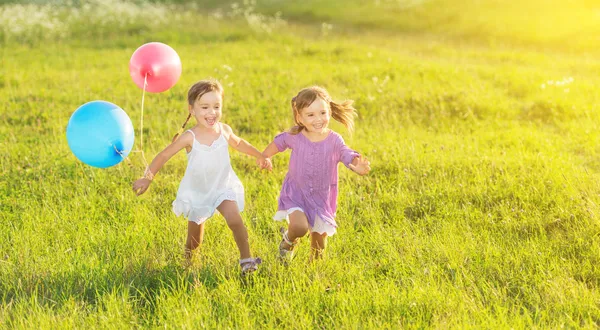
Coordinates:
[249,265]
[286,248]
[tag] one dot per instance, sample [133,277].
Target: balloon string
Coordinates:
[142,121]
[121,153]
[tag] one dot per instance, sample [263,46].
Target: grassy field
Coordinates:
[481,211]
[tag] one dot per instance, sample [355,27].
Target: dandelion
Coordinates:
[60,19]
[40,22]
[218,15]
[262,23]
[560,83]
[325,29]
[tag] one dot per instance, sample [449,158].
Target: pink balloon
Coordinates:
[160,62]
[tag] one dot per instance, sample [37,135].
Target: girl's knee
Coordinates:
[298,227]
[299,223]
[318,240]
[235,222]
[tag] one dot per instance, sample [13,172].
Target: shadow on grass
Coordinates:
[144,283]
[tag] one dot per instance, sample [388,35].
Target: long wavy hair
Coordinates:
[343,111]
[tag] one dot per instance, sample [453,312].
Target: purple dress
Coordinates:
[312,179]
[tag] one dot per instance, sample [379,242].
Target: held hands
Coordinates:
[264,163]
[362,166]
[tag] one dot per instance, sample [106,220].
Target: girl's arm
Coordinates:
[244,146]
[141,185]
[271,150]
[281,142]
[353,160]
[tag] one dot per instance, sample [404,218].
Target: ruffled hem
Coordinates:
[192,213]
[199,214]
[320,227]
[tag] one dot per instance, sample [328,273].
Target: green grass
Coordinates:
[481,210]
[564,25]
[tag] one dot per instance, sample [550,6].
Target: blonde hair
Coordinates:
[343,111]
[196,92]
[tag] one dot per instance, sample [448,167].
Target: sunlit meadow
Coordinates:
[480,118]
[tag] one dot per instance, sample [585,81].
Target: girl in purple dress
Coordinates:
[308,198]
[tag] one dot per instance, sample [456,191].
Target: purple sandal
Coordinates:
[286,254]
[249,265]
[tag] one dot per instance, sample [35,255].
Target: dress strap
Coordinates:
[221,131]
[194,135]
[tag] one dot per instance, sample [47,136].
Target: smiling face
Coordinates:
[315,118]
[207,109]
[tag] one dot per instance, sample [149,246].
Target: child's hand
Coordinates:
[362,166]
[141,185]
[264,163]
[268,165]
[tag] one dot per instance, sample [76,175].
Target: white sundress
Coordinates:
[208,181]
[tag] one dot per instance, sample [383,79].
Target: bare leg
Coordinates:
[297,228]
[231,213]
[317,245]
[194,238]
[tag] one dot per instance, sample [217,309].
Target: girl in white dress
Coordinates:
[209,182]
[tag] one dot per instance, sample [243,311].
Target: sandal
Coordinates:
[249,265]
[286,254]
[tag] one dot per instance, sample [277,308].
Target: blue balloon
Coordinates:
[100,134]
